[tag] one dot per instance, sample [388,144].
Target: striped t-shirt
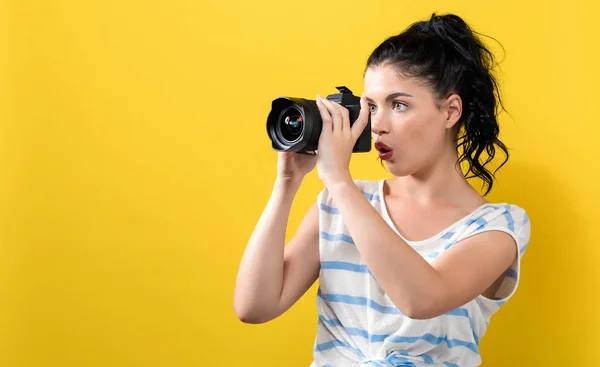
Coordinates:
[358,324]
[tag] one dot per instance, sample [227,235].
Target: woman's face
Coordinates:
[410,132]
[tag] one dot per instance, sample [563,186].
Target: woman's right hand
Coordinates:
[291,165]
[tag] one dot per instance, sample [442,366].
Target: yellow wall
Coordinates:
[135,163]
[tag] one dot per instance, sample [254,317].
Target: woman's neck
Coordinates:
[441,183]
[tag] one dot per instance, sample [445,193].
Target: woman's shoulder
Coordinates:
[506,217]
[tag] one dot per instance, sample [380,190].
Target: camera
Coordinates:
[295,124]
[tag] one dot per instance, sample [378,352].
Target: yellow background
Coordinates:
[135,163]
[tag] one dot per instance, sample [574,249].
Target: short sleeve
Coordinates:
[514,221]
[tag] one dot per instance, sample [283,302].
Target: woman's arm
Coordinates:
[271,276]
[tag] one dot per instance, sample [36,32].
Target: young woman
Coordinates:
[412,268]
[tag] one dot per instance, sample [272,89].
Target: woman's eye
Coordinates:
[399,106]
[372,108]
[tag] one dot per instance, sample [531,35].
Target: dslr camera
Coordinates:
[294,124]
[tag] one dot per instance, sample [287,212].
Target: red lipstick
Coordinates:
[385,152]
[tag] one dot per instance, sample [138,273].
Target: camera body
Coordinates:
[295,124]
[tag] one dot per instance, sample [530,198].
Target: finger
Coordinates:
[336,115]
[345,117]
[325,116]
[363,118]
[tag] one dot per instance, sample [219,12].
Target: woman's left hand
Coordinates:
[337,139]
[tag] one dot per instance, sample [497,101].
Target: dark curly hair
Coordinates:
[446,54]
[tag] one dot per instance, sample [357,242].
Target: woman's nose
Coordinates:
[378,125]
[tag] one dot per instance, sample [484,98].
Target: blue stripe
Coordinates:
[330,322]
[364,301]
[451,364]
[376,363]
[371,197]
[360,301]
[342,265]
[482,222]
[463,312]
[509,219]
[350,330]
[395,357]
[459,312]
[475,336]
[448,235]
[436,340]
[328,209]
[511,273]
[336,237]
[400,362]
[335,344]
[376,338]
[427,359]
[372,338]
[449,245]
[525,219]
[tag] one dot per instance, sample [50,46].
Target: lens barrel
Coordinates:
[294,124]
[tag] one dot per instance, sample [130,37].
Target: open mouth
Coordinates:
[385,152]
[382,147]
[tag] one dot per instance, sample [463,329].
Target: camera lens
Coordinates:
[290,124]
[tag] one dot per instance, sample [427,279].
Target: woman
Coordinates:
[412,268]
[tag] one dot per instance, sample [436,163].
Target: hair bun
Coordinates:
[447,25]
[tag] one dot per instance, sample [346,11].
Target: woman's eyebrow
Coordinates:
[392,96]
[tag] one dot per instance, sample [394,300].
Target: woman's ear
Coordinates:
[452,110]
